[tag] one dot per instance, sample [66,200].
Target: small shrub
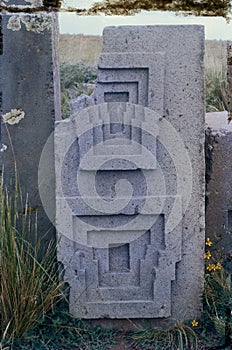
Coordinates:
[74,81]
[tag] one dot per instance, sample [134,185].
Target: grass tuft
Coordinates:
[177,337]
[29,287]
[75,80]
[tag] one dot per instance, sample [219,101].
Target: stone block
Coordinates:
[219,182]
[130,179]
[30,87]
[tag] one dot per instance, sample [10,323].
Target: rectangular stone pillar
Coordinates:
[30,94]
[219,184]
[141,147]
[219,174]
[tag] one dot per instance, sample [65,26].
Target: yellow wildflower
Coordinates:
[214,267]
[208,242]
[207,255]
[218,266]
[210,267]
[194,323]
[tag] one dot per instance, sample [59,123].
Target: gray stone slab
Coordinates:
[219,180]
[30,81]
[130,179]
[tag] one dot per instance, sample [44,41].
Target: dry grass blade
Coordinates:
[29,287]
[179,336]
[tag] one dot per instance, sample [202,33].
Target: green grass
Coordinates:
[72,80]
[216,316]
[216,91]
[30,290]
[60,331]
[29,287]
[180,336]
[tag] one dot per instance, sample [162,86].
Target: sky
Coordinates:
[215,27]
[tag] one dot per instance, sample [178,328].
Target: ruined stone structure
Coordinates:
[130,179]
[219,184]
[218,174]
[30,92]
[130,169]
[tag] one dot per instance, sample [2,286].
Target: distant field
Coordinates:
[79,55]
[215,55]
[76,49]
[86,49]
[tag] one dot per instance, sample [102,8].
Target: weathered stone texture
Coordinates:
[30,80]
[158,273]
[219,182]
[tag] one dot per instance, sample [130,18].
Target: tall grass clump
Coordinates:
[216,86]
[216,91]
[29,286]
[218,305]
[217,297]
[177,337]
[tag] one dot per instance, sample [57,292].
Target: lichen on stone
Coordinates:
[36,23]
[3,148]
[14,23]
[14,116]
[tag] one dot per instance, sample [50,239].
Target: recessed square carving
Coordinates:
[126,68]
[119,258]
[116,96]
[134,81]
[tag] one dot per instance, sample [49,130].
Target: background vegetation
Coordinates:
[76,79]
[80,79]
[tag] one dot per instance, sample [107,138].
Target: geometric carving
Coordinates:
[132,76]
[124,254]
[124,179]
[119,257]
[131,83]
[122,96]
[101,141]
[136,270]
